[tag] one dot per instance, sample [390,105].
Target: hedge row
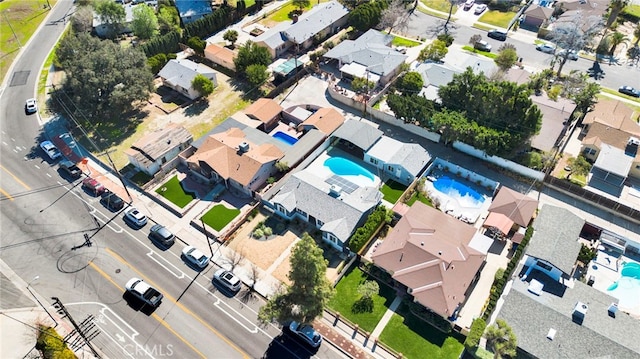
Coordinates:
[475,333]
[498,284]
[363,234]
[51,345]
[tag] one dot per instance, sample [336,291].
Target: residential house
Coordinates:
[555,121]
[321,21]
[265,110]
[510,210]
[370,56]
[535,17]
[179,74]
[192,10]
[105,29]
[233,158]
[220,55]
[335,212]
[357,136]
[152,152]
[401,162]
[433,76]
[585,8]
[325,119]
[428,252]
[554,316]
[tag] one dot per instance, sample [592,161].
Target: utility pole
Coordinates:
[82,333]
[11,27]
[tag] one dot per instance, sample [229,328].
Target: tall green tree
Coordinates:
[251,54]
[367,15]
[197,44]
[168,19]
[411,83]
[615,8]
[112,15]
[301,4]
[257,74]
[103,79]
[203,85]
[310,290]
[412,108]
[616,39]
[231,36]
[435,51]
[507,57]
[579,166]
[574,35]
[501,339]
[145,22]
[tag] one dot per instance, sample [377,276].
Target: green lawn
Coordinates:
[401,41]
[219,216]
[392,191]
[440,5]
[615,92]
[632,10]
[497,18]
[419,197]
[173,191]
[436,14]
[484,53]
[283,13]
[416,339]
[347,294]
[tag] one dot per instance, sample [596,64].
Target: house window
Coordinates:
[390,168]
[319,223]
[302,213]
[589,151]
[164,160]
[373,160]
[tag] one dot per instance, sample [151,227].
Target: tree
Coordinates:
[257,74]
[411,83]
[507,57]
[615,39]
[197,44]
[203,85]
[301,4]
[574,35]
[282,166]
[395,17]
[251,54]
[112,15]
[168,19]
[367,290]
[636,34]
[452,3]
[475,333]
[586,98]
[82,19]
[145,22]
[231,36]
[367,15]
[578,166]
[310,290]
[436,51]
[412,108]
[103,79]
[473,40]
[157,62]
[501,339]
[615,8]
[361,84]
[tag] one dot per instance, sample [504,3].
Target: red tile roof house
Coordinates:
[428,252]
[266,111]
[232,158]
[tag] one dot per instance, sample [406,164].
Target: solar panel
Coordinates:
[345,184]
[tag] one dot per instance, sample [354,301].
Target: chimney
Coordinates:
[243,147]
[579,312]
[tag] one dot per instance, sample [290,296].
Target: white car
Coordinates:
[306,333]
[195,256]
[546,48]
[134,217]
[31,106]
[50,149]
[227,279]
[480,9]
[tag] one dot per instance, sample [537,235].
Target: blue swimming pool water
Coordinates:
[452,187]
[630,275]
[285,138]
[344,167]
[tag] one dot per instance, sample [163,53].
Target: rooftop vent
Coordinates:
[335,190]
[633,141]
[551,334]
[243,147]
[613,309]
[579,312]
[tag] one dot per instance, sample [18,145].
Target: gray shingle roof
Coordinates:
[368,39]
[182,72]
[436,74]
[555,238]
[315,20]
[410,156]
[359,133]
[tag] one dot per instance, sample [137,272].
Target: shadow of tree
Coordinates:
[363,305]
[196,108]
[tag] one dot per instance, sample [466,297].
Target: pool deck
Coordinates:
[318,168]
[605,268]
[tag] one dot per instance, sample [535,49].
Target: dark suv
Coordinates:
[112,201]
[70,169]
[498,35]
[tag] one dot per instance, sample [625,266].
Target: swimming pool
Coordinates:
[627,288]
[285,138]
[465,195]
[344,167]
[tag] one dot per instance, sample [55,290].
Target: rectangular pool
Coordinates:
[290,140]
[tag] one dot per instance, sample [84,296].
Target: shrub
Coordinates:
[477,329]
[51,344]
[258,233]
[268,231]
[363,234]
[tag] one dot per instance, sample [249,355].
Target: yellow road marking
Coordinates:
[180,305]
[6,194]
[16,178]
[154,315]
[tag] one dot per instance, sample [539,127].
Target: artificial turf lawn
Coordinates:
[392,191]
[219,216]
[173,191]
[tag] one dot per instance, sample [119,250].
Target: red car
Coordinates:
[93,186]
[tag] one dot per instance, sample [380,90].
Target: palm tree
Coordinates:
[501,340]
[615,7]
[615,39]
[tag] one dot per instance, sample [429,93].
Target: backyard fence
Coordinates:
[499,161]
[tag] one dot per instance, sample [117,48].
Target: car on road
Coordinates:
[629,91]
[160,234]
[227,279]
[482,46]
[546,48]
[571,54]
[50,149]
[306,333]
[143,291]
[134,217]
[468,4]
[31,106]
[112,201]
[70,169]
[93,186]
[497,34]
[195,257]
[480,9]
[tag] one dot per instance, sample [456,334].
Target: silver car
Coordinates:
[134,217]
[227,279]
[50,149]
[195,257]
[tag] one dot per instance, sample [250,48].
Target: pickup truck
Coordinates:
[144,292]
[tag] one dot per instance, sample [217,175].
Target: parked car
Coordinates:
[50,149]
[482,46]
[227,279]
[160,234]
[134,217]
[93,186]
[306,334]
[112,201]
[498,35]
[546,48]
[630,91]
[195,257]
[70,169]
[468,4]
[31,106]
[571,54]
[480,9]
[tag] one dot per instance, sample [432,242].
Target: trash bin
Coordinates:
[591,280]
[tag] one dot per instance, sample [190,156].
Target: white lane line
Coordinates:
[13,139]
[218,303]
[181,273]
[37,166]
[48,175]
[4,143]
